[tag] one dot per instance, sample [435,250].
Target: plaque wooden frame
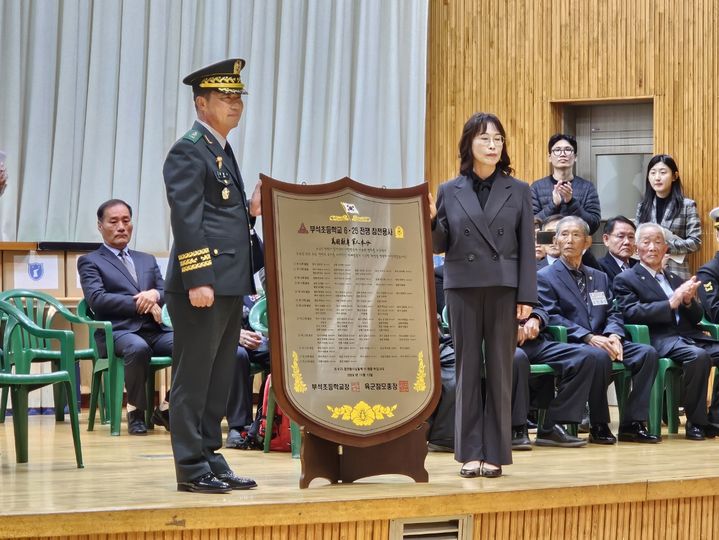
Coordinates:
[277,347]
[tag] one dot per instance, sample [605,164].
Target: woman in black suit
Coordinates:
[483,223]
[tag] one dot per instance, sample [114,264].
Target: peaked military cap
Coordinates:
[714,216]
[222,76]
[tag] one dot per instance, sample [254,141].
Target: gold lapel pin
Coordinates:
[218,159]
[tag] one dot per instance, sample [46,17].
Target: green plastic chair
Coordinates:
[258,317]
[21,338]
[665,388]
[41,309]
[113,367]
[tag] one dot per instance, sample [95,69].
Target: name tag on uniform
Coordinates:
[597,298]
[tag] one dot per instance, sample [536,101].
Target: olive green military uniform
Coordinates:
[212,246]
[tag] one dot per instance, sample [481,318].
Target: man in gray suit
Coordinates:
[210,270]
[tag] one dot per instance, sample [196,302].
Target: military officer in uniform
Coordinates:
[210,270]
[709,277]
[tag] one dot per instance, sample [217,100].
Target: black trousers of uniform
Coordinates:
[202,367]
[483,322]
[136,349]
[642,361]
[696,358]
[575,372]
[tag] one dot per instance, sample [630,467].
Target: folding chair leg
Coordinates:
[672,392]
[94,395]
[75,423]
[150,393]
[3,404]
[19,420]
[116,382]
[655,403]
[296,439]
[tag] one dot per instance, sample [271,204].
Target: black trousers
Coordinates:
[696,358]
[642,361]
[202,367]
[239,401]
[575,375]
[483,322]
[136,349]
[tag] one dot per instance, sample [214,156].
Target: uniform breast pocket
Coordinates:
[223,192]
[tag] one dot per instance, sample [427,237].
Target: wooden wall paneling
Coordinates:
[516,58]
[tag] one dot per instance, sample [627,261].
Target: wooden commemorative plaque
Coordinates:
[352,323]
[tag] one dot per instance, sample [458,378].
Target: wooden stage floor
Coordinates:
[127,487]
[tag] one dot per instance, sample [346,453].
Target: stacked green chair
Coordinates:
[42,309]
[665,388]
[258,322]
[112,367]
[21,342]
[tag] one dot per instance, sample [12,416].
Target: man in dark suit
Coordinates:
[125,287]
[580,298]
[619,238]
[667,304]
[709,277]
[209,271]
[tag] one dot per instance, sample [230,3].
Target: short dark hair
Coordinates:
[476,125]
[551,219]
[107,204]
[198,91]
[554,139]
[612,222]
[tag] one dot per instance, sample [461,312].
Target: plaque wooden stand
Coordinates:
[342,463]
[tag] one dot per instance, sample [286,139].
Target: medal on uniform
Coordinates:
[218,159]
[225,194]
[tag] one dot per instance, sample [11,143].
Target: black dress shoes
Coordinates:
[558,436]
[637,432]
[693,432]
[136,422]
[236,482]
[520,438]
[207,483]
[161,418]
[601,434]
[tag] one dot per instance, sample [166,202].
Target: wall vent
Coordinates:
[435,528]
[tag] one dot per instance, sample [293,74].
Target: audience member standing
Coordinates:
[561,192]
[664,203]
[483,223]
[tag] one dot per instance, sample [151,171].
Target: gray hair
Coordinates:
[572,220]
[646,227]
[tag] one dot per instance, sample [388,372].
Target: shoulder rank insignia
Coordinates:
[708,286]
[192,135]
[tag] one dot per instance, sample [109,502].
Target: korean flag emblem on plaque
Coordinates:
[35,270]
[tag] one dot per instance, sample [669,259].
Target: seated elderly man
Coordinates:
[580,298]
[253,348]
[619,233]
[125,287]
[667,304]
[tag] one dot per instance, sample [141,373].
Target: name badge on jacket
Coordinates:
[597,298]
